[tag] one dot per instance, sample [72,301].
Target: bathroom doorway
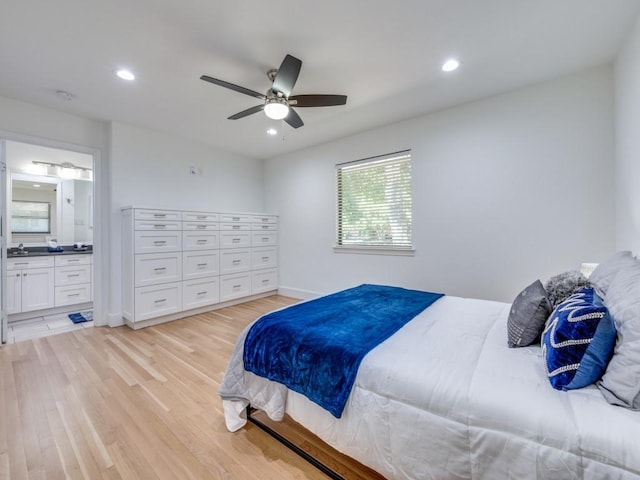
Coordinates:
[48,211]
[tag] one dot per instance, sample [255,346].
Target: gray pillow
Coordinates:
[620,383]
[562,286]
[605,272]
[529,312]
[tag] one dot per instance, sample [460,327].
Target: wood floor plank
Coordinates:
[114,403]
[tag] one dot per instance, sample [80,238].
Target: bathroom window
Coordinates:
[30,217]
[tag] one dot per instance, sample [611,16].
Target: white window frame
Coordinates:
[365,247]
[31,232]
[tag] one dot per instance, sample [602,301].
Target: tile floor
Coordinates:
[42,327]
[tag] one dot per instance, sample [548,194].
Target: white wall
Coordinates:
[26,122]
[151,169]
[627,124]
[506,190]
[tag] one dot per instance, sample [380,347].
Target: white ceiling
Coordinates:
[384,55]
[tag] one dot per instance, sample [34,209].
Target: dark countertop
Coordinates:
[42,251]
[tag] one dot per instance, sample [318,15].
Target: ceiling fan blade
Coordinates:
[287,75]
[293,119]
[231,86]
[247,112]
[317,100]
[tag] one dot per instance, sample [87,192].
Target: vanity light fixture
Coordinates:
[272,131]
[61,165]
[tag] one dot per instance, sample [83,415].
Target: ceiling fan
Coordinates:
[278,99]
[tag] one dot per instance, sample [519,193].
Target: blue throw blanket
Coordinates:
[315,348]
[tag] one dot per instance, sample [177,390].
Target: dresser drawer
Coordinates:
[157,300]
[71,294]
[199,293]
[64,260]
[155,268]
[160,215]
[33,262]
[260,219]
[234,227]
[235,260]
[198,264]
[264,238]
[235,286]
[264,227]
[200,226]
[264,257]
[157,225]
[157,242]
[235,239]
[234,218]
[72,274]
[264,280]
[200,217]
[200,240]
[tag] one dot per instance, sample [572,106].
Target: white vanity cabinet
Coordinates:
[30,284]
[72,279]
[178,263]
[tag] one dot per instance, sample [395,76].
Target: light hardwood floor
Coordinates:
[116,403]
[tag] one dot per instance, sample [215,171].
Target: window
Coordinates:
[374,203]
[30,217]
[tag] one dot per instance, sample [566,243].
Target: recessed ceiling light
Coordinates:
[272,131]
[36,185]
[125,74]
[450,65]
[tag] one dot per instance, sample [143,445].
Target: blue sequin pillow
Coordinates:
[578,341]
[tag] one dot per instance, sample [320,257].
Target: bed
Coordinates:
[445,398]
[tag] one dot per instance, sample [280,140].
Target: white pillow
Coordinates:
[620,383]
[604,273]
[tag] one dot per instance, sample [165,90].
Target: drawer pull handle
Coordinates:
[201,242]
[159,215]
[159,225]
[265,227]
[235,219]
[265,239]
[202,293]
[73,294]
[235,240]
[201,217]
[159,242]
[265,259]
[201,226]
[18,274]
[21,263]
[236,262]
[200,265]
[264,282]
[236,227]
[235,287]
[73,275]
[159,269]
[160,300]
[69,260]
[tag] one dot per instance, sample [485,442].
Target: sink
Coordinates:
[19,254]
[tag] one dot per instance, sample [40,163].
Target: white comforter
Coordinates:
[445,398]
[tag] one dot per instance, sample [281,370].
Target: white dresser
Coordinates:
[178,263]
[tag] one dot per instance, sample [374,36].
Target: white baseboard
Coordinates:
[297,293]
[115,320]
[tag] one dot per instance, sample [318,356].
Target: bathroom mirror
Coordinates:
[55,202]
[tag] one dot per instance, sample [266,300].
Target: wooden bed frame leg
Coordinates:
[293,447]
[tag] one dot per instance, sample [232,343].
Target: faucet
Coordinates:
[21,248]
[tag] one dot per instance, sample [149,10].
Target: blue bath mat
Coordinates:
[81,317]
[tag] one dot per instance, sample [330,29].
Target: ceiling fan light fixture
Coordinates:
[276,108]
